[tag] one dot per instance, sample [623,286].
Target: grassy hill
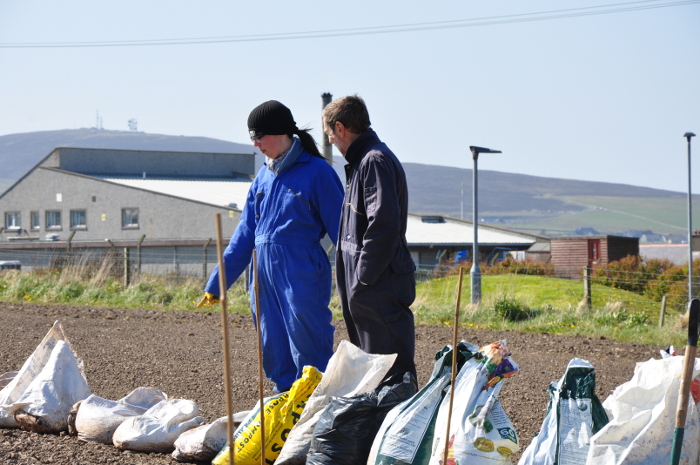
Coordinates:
[532,203]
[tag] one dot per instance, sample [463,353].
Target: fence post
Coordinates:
[126,268]
[138,254]
[587,286]
[662,313]
[204,261]
[69,248]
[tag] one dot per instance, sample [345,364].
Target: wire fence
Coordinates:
[647,284]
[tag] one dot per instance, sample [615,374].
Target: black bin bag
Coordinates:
[347,427]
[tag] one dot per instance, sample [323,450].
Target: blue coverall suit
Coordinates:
[284,218]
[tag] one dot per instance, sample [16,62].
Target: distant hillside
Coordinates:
[551,205]
[20,152]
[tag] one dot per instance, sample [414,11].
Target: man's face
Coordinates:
[335,136]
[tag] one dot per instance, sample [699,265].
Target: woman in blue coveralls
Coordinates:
[294,201]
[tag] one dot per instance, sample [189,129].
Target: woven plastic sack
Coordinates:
[574,415]
[201,444]
[642,418]
[281,413]
[97,419]
[406,435]
[46,387]
[480,430]
[158,428]
[350,372]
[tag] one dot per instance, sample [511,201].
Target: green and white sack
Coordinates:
[406,435]
[574,415]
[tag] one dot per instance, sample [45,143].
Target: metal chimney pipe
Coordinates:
[326,147]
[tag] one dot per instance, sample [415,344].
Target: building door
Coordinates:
[593,251]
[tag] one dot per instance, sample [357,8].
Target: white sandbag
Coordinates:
[201,444]
[480,431]
[350,372]
[5,378]
[98,418]
[16,387]
[46,403]
[158,428]
[643,415]
[574,414]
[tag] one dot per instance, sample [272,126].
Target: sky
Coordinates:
[595,97]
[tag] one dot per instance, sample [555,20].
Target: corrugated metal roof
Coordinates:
[223,193]
[458,232]
[220,193]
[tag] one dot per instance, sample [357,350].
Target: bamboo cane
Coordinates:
[260,365]
[454,365]
[224,328]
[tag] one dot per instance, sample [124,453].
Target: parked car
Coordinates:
[10,265]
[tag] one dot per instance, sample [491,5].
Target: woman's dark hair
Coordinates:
[308,142]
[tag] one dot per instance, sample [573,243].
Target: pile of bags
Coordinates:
[50,394]
[346,416]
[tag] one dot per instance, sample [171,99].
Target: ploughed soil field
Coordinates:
[181,354]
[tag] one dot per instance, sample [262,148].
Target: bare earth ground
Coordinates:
[180,353]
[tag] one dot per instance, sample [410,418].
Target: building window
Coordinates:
[77,219]
[53,219]
[34,217]
[130,217]
[12,220]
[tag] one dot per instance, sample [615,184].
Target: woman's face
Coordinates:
[273,146]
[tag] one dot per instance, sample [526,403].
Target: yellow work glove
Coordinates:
[207,300]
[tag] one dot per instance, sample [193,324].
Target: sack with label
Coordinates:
[347,427]
[97,419]
[350,372]
[574,415]
[158,428]
[406,435]
[281,413]
[202,443]
[40,396]
[480,430]
[642,416]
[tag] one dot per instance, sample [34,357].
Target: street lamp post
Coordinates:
[688,135]
[475,272]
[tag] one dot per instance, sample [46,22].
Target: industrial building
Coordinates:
[161,205]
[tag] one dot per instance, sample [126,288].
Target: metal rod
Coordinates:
[690,233]
[454,364]
[260,363]
[475,272]
[224,329]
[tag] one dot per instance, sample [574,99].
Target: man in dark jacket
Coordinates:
[374,269]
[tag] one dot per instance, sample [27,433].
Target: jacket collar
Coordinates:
[360,146]
[296,153]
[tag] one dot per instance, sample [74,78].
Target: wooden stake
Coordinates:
[454,364]
[688,366]
[224,328]
[260,363]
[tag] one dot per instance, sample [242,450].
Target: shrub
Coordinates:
[631,273]
[524,267]
[510,309]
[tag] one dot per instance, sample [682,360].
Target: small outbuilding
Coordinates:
[571,254]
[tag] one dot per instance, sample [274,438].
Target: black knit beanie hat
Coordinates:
[271,118]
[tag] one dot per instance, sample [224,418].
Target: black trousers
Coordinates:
[377,316]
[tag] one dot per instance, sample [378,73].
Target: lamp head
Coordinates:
[688,135]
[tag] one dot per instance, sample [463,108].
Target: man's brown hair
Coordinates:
[351,111]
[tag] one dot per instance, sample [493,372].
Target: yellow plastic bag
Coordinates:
[281,414]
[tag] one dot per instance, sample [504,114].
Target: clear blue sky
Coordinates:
[601,97]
